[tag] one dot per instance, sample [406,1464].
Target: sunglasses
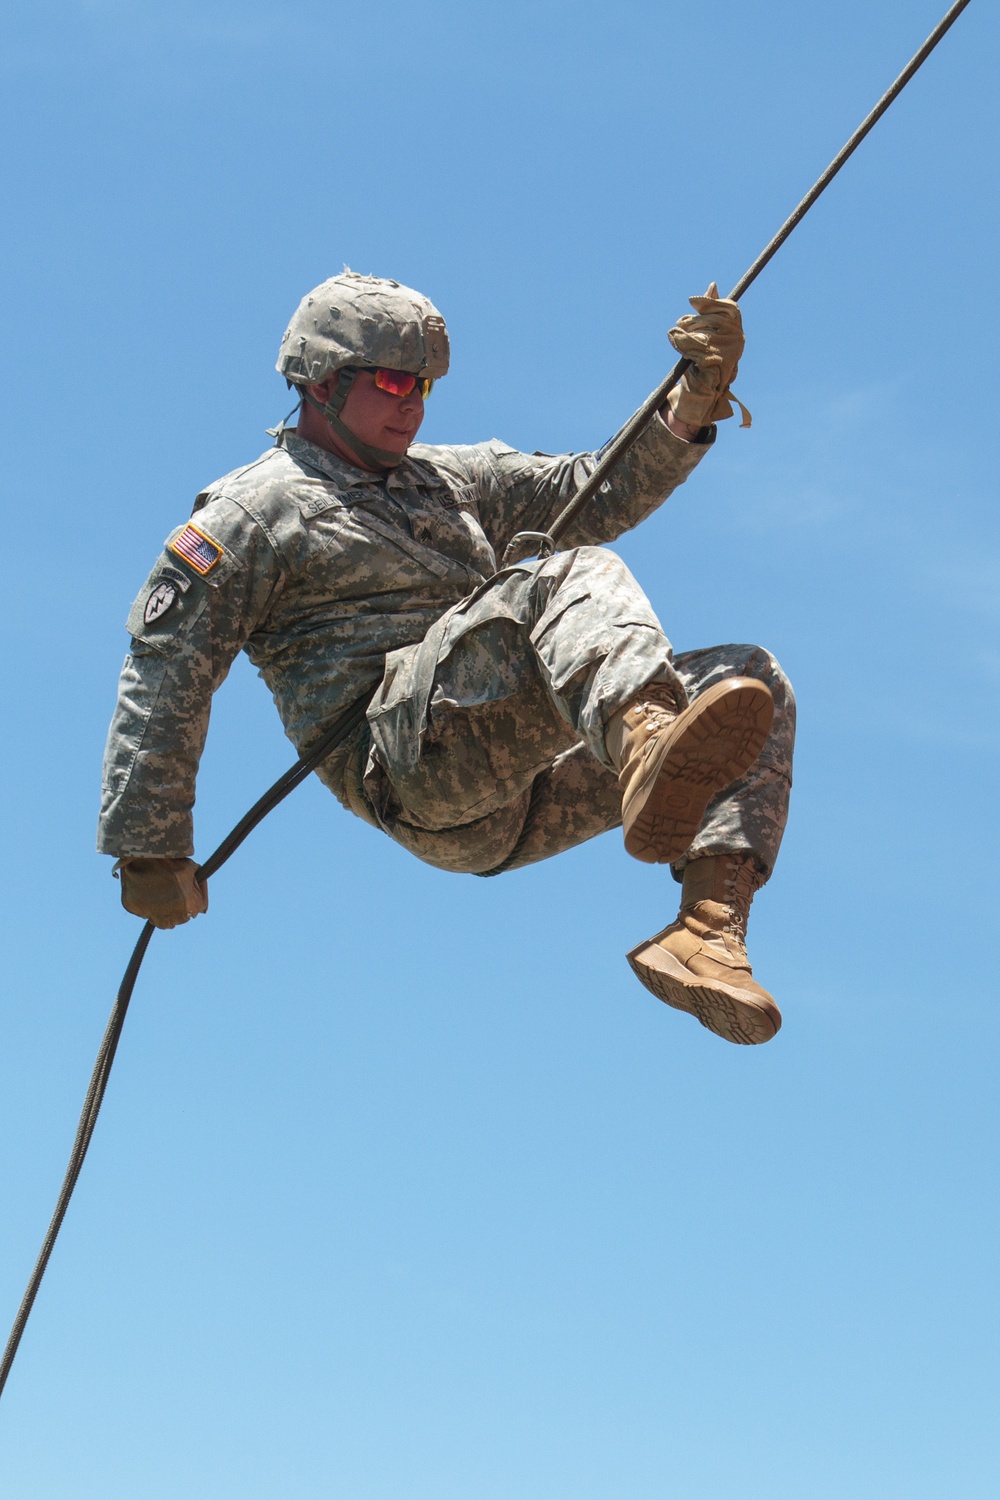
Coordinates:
[402,383]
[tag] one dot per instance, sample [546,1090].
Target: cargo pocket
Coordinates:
[172,598]
[450,758]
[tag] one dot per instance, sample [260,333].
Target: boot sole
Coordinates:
[709,746]
[736,1015]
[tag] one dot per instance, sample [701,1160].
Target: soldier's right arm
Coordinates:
[207,593]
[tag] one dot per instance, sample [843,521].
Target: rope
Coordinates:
[353,717]
[636,425]
[527,828]
[336,735]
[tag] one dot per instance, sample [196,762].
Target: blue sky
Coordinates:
[403,1186]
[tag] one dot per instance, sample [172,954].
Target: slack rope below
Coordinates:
[353,717]
[344,726]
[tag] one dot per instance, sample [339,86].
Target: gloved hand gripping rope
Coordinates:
[698,402]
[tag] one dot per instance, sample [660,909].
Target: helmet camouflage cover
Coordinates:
[363,321]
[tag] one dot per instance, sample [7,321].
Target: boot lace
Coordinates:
[741,881]
[660,703]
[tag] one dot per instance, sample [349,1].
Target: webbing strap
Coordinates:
[343,727]
[375,458]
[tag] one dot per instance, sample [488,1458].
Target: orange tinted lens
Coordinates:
[426,386]
[396,382]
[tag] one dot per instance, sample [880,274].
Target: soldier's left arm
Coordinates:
[525,492]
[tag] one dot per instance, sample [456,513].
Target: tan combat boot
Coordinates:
[671,760]
[699,963]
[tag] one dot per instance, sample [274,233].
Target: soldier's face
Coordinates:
[379,418]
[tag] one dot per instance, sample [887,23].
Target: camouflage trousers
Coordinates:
[486,748]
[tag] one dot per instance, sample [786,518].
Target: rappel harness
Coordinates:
[525,544]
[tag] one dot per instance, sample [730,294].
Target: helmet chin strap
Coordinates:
[375,458]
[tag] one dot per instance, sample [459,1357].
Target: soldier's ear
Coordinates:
[322,391]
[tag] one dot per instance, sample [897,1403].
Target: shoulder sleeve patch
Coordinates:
[197,549]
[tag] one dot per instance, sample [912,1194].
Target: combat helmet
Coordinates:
[352,323]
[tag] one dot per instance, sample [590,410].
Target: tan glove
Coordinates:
[713,340]
[165,891]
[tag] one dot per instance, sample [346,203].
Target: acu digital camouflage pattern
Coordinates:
[484,746]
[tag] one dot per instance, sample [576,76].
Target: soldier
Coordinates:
[511,713]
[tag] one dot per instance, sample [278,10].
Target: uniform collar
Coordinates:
[407,475]
[345,475]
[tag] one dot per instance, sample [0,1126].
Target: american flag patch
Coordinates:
[197,549]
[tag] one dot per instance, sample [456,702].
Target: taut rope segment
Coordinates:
[637,424]
[352,718]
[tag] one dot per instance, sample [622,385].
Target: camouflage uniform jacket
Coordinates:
[317,569]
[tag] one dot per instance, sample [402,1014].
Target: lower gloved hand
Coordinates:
[712,339]
[165,891]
